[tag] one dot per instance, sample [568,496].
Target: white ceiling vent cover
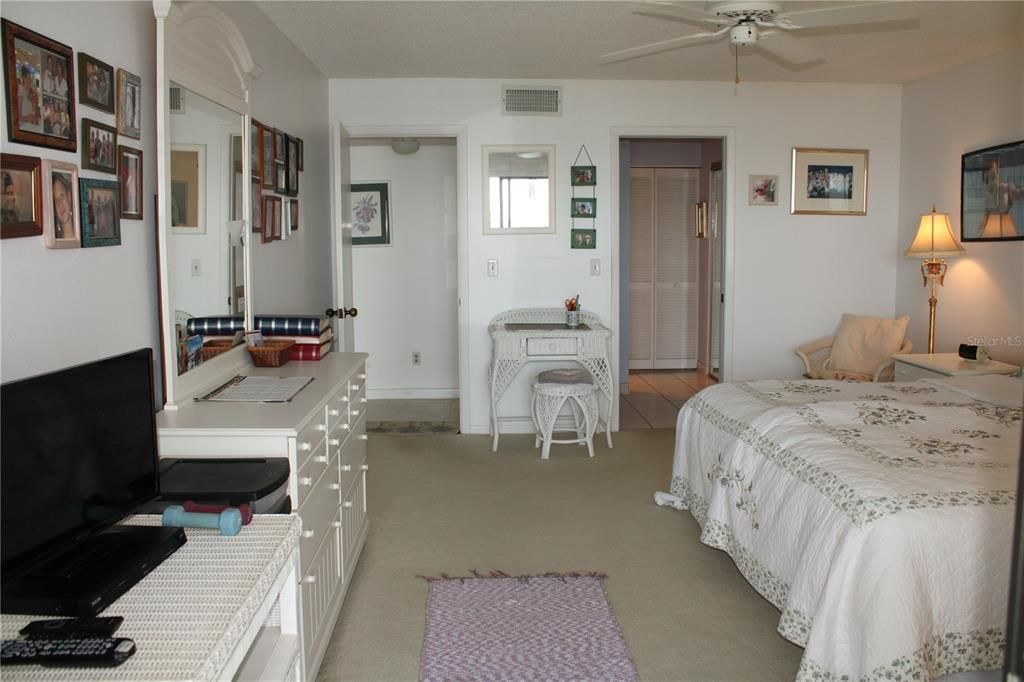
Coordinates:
[176,99]
[531,101]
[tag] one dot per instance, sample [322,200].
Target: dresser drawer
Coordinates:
[310,472]
[318,511]
[906,372]
[336,407]
[357,405]
[353,455]
[310,436]
[551,346]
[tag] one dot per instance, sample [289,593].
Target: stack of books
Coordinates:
[312,334]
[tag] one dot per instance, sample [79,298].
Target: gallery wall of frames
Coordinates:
[277,160]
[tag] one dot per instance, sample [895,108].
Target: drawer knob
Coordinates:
[354,413]
[362,376]
[344,398]
[365,467]
[336,524]
[308,533]
[305,481]
[335,486]
[321,427]
[334,413]
[304,446]
[321,458]
[363,436]
[347,504]
[309,579]
[355,387]
[345,427]
[363,399]
[346,467]
[334,441]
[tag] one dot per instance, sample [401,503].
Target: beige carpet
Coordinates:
[446,504]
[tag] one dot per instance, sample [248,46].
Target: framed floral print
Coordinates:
[371,222]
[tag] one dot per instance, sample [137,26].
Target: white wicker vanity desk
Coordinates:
[322,433]
[541,335]
[203,610]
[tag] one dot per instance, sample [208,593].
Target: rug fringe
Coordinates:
[522,578]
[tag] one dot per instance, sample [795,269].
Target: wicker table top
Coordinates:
[189,615]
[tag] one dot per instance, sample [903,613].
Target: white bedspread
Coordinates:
[877,517]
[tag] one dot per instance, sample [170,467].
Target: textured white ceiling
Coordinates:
[524,39]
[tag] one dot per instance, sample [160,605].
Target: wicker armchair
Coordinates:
[816,356]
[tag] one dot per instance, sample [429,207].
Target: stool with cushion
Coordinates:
[861,349]
[552,390]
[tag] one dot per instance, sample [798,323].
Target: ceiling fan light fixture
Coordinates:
[405,145]
[744,33]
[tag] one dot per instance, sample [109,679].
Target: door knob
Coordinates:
[342,313]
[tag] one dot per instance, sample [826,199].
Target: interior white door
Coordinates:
[675,248]
[716,237]
[641,268]
[343,296]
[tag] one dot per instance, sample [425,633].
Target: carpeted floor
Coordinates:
[446,504]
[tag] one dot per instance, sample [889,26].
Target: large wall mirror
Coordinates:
[204,203]
[519,191]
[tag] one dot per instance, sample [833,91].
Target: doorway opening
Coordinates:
[671,268]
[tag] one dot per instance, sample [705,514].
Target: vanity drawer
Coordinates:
[353,455]
[551,346]
[310,472]
[357,405]
[310,437]
[337,406]
[317,512]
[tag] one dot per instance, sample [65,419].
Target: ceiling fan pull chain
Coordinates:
[737,48]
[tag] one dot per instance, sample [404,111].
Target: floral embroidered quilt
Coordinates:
[877,517]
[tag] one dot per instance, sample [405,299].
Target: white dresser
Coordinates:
[322,432]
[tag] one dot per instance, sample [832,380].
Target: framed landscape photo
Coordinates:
[584,207]
[99,146]
[95,83]
[992,194]
[188,188]
[829,182]
[100,223]
[763,190]
[21,209]
[584,176]
[61,219]
[39,77]
[269,172]
[371,221]
[129,104]
[129,181]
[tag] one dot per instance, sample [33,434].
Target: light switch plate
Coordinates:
[492,267]
[595,267]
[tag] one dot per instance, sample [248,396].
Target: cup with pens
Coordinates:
[572,311]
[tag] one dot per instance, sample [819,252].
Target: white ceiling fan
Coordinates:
[764,23]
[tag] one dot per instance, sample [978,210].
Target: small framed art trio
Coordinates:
[277,160]
[582,207]
[46,196]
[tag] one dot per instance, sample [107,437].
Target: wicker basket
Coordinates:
[216,347]
[271,353]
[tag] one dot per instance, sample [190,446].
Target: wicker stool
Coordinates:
[551,391]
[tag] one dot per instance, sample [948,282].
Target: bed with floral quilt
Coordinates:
[878,518]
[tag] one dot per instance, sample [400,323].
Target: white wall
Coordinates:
[291,276]
[62,307]
[407,292]
[971,107]
[794,275]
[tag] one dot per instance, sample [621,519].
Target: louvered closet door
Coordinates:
[675,296]
[641,268]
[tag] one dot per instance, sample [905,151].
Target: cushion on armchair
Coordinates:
[862,343]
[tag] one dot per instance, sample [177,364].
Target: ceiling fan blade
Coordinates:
[674,11]
[862,13]
[661,46]
[787,48]
[699,23]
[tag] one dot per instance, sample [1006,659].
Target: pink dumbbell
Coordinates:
[243,508]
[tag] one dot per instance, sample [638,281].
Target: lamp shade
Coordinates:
[998,225]
[405,145]
[934,238]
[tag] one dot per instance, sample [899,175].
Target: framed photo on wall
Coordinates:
[95,83]
[293,166]
[992,194]
[188,188]
[584,176]
[584,239]
[293,208]
[100,223]
[256,198]
[763,190]
[269,173]
[99,146]
[61,219]
[39,77]
[371,220]
[584,207]
[129,104]
[256,149]
[129,181]
[21,210]
[829,182]
[271,211]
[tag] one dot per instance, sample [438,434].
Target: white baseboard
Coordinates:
[411,393]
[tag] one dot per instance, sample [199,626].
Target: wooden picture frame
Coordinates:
[268,173]
[256,201]
[829,182]
[992,194]
[584,176]
[302,149]
[99,147]
[129,181]
[292,166]
[278,206]
[129,104]
[584,207]
[281,178]
[95,83]
[40,81]
[62,227]
[279,146]
[256,149]
[101,225]
[188,188]
[371,214]
[269,213]
[21,203]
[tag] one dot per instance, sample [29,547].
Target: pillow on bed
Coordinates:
[862,343]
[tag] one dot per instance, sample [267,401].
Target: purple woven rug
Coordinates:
[551,627]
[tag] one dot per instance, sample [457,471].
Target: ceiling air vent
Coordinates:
[177,99]
[519,101]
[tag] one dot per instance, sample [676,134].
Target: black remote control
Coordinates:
[72,628]
[102,651]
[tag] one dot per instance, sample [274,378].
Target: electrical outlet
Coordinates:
[492,267]
[595,267]
[416,357]
[197,267]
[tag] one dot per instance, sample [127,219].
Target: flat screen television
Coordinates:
[79,454]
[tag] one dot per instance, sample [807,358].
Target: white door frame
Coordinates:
[728,137]
[461,135]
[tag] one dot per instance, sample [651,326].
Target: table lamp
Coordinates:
[934,241]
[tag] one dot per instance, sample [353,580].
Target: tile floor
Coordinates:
[653,402]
